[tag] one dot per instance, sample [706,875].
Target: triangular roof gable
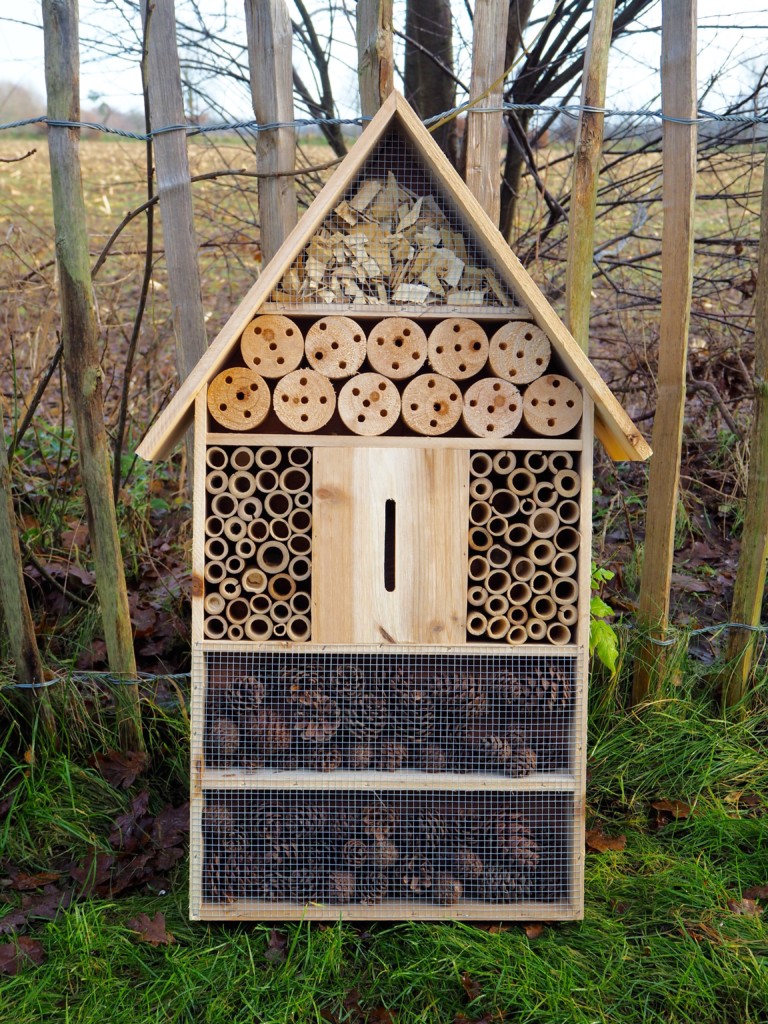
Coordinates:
[620,437]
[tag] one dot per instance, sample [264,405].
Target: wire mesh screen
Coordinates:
[394,238]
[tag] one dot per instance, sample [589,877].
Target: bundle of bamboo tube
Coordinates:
[258,543]
[523,546]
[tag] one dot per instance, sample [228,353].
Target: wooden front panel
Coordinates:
[354,528]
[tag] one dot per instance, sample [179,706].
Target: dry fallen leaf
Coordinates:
[121,769]
[534,930]
[471,987]
[16,956]
[379,1016]
[151,930]
[744,907]
[756,892]
[677,808]
[601,843]
[276,947]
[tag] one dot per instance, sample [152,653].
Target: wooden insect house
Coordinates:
[391,564]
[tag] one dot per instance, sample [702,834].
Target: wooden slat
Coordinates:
[347,780]
[286,647]
[375,59]
[245,910]
[379,311]
[512,444]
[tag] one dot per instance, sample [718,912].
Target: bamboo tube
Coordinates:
[541,551]
[369,404]
[214,604]
[558,634]
[260,604]
[498,557]
[559,460]
[519,352]
[249,508]
[517,635]
[223,505]
[300,603]
[216,548]
[543,607]
[536,629]
[235,631]
[568,512]
[552,405]
[215,627]
[522,569]
[238,399]
[267,457]
[214,572]
[216,458]
[280,611]
[300,456]
[214,526]
[258,530]
[297,628]
[544,494]
[497,526]
[563,564]
[272,556]
[478,567]
[242,459]
[479,539]
[527,506]
[521,481]
[267,481]
[281,587]
[235,529]
[496,604]
[397,347]
[518,615]
[230,588]
[479,513]
[540,582]
[504,502]
[458,348]
[519,593]
[303,500]
[279,630]
[304,400]
[498,581]
[299,543]
[518,534]
[504,462]
[216,482]
[567,539]
[567,483]
[279,529]
[238,610]
[278,504]
[259,627]
[498,627]
[300,568]
[477,596]
[535,461]
[300,521]
[242,484]
[254,581]
[481,464]
[294,479]
[476,624]
[335,346]
[565,590]
[272,344]
[431,404]
[492,408]
[544,522]
[481,489]
[567,614]
[245,548]
[234,565]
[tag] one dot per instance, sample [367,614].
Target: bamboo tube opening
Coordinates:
[481,489]
[527,506]
[476,624]
[242,459]
[214,604]
[303,500]
[336,346]
[369,405]
[497,526]
[479,539]
[304,401]
[229,588]
[254,581]
[249,508]
[267,481]
[522,569]
[397,347]
[518,615]
[235,631]
[223,505]
[564,564]
[214,526]
[519,352]
[544,523]
[300,568]
[543,607]
[260,604]
[238,610]
[498,581]
[541,552]
[568,511]
[535,461]
[281,587]
[300,603]
[565,590]
[278,504]
[216,482]
[567,483]
[258,530]
[498,557]
[300,520]
[536,629]
[567,614]
[492,408]
[458,348]
[280,611]
[479,513]
[504,502]
[294,479]
[279,529]
[215,627]
[280,629]
[299,456]
[558,634]
[480,464]
[431,404]
[504,462]
[297,628]
[235,529]
[216,458]
[239,399]
[242,484]
[541,582]
[518,534]
[521,481]
[267,457]
[544,494]
[234,565]
[498,627]
[552,405]
[517,635]
[477,596]
[272,556]
[246,548]
[216,548]
[559,460]
[497,604]
[519,593]
[567,539]
[258,627]
[478,567]
[272,344]
[299,544]
[214,572]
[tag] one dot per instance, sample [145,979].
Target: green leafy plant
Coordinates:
[603,640]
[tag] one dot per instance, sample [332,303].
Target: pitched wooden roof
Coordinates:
[621,438]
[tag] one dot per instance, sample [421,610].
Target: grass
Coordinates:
[659,942]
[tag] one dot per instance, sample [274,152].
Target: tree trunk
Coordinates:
[429,83]
[81,347]
[375,61]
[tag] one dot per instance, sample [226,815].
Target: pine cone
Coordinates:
[274,884]
[384,854]
[500,885]
[447,889]
[266,733]
[348,682]
[218,820]
[488,750]
[392,756]
[304,885]
[245,695]
[316,716]
[366,718]
[307,817]
[216,882]
[356,852]
[417,875]
[468,863]
[321,759]
[515,839]
[464,695]
[413,716]
[372,887]
[281,849]
[378,821]
[360,756]
[341,886]
[429,757]
[523,760]
[223,743]
[427,830]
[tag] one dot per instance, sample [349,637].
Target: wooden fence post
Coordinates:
[678,100]
[270,43]
[483,136]
[82,351]
[581,220]
[375,60]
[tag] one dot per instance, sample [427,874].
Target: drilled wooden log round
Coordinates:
[492,408]
[397,347]
[304,401]
[335,346]
[552,405]
[519,352]
[272,345]
[369,404]
[458,348]
[432,404]
[238,399]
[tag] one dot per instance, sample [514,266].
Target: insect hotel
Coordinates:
[391,565]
